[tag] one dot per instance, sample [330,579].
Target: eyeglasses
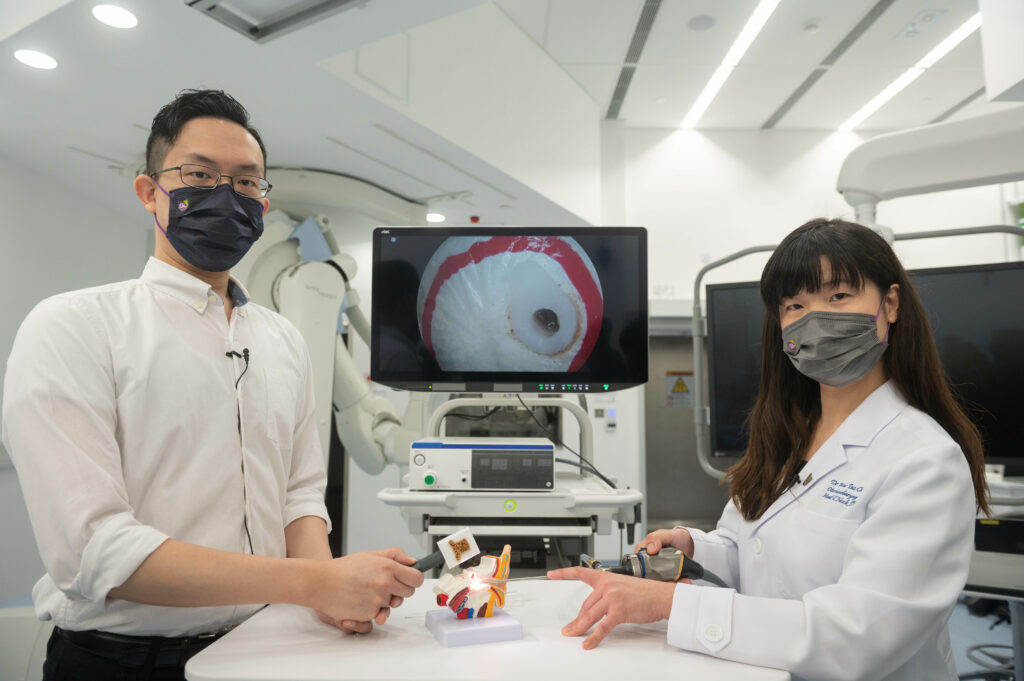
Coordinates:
[203,177]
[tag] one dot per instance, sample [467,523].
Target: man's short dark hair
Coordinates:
[189,104]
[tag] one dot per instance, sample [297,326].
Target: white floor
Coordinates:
[965,630]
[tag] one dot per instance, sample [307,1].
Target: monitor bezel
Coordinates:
[1014,466]
[515,382]
[717,452]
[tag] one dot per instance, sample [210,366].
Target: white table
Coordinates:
[289,642]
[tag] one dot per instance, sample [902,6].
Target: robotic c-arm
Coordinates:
[298,270]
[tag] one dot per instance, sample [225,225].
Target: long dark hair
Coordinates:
[789,404]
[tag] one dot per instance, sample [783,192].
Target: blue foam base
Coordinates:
[450,631]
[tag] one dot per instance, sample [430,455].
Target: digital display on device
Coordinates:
[509,309]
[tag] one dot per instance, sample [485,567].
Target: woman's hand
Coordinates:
[679,538]
[616,599]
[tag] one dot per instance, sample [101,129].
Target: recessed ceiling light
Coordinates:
[115,16]
[435,217]
[35,59]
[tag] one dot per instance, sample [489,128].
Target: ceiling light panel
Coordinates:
[876,59]
[758,18]
[678,68]
[934,92]
[883,44]
[949,43]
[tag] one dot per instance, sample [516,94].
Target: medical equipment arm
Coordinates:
[368,425]
[968,153]
[311,295]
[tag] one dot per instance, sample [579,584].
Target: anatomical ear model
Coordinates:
[468,595]
[510,303]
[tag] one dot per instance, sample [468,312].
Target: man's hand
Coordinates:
[361,588]
[679,538]
[616,599]
[354,627]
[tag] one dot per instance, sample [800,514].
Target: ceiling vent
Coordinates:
[636,47]
[264,20]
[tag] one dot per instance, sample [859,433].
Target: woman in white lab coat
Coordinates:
[850,525]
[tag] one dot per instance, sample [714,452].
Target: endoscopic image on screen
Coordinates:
[506,304]
[510,304]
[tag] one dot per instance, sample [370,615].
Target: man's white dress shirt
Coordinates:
[123,419]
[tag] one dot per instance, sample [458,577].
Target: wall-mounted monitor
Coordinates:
[976,314]
[509,309]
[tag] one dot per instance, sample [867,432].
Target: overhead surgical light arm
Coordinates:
[969,153]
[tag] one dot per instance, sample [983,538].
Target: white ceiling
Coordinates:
[110,83]
[589,38]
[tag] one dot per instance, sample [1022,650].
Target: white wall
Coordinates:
[52,238]
[706,194]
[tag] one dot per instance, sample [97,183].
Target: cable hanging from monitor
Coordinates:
[582,464]
[472,417]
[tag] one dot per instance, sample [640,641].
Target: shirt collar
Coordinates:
[858,430]
[194,292]
[872,415]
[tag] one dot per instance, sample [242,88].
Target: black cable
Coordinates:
[245,520]
[471,417]
[587,467]
[244,356]
[710,576]
[583,464]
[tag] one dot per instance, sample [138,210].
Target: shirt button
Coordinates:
[198,306]
[713,633]
[757,546]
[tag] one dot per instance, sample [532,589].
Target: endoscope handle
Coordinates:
[668,565]
[434,560]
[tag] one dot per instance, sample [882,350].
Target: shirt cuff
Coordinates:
[112,555]
[701,618]
[299,509]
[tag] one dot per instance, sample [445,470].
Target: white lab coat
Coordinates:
[855,573]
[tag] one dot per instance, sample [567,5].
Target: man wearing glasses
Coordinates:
[163,432]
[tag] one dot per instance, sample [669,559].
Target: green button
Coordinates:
[429,479]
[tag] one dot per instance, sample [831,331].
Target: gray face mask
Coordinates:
[834,348]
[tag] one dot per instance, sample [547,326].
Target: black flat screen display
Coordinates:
[501,309]
[977,317]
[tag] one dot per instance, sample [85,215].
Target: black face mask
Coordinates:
[212,229]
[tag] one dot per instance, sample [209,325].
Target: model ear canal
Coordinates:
[546,322]
[542,315]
